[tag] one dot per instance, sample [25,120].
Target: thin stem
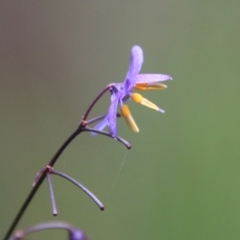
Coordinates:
[51,193]
[39,182]
[52,162]
[73,232]
[96,119]
[121,140]
[39,227]
[84,189]
[37,176]
[94,102]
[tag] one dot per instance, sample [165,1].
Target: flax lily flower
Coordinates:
[121,92]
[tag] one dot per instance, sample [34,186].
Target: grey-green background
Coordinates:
[181,180]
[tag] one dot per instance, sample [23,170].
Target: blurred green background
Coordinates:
[181,178]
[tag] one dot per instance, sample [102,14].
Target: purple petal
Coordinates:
[136,60]
[100,126]
[112,115]
[76,234]
[151,78]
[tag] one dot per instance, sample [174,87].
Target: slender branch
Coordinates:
[121,140]
[51,193]
[53,161]
[96,119]
[48,225]
[39,227]
[39,182]
[84,189]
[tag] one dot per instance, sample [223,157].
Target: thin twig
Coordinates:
[52,162]
[96,119]
[51,193]
[84,189]
[121,140]
[44,226]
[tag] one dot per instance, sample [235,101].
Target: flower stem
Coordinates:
[39,182]
[44,226]
[121,140]
[84,189]
[51,163]
[51,193]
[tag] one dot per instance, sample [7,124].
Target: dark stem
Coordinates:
[121,140]
[84,189]
[52,197]
[51,163]
[39,227]
[96,119]
[39,182]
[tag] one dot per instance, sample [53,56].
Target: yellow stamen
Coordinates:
[125,111]
[136,97]
[150,86]
[129,119]
[149,104]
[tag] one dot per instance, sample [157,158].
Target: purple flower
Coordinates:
[76,234]
[121,92]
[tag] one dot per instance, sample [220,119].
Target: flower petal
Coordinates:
[100,126]
[136,60]
[151,78]
[76,234]
[112,115]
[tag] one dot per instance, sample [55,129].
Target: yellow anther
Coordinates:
[149,104]
[136,97]
[150,86]
[125,111]
[129,119]
[140,86]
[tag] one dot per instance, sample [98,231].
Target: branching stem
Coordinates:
[39,182]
